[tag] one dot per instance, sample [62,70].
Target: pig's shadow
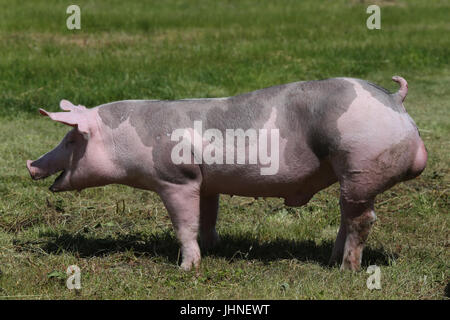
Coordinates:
[232,248]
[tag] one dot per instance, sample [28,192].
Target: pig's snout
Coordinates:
[36,172]
[32,170]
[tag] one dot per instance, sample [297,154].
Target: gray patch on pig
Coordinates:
[113,114]
[151,123]
[194,115]
[164,167]
[245,111]
[310,118]
[154,124]
[150,119]
[390,100]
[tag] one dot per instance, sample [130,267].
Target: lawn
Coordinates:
[122,239]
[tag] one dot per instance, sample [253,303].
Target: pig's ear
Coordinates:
[66,105]
[73,119]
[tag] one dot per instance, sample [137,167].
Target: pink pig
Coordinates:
[335,130]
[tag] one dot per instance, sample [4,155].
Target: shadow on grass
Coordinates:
[244,247]
[232,248]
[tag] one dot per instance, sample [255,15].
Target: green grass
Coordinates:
[122,239]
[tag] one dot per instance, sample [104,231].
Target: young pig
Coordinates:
[335,130]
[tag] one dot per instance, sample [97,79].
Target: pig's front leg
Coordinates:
[338,249]
[209,206]
[183,204]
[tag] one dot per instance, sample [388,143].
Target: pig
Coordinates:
[343,130]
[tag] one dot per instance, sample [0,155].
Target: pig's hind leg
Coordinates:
[358,191]
[361,179]
[357,219]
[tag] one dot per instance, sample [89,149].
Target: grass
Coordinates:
[122,239]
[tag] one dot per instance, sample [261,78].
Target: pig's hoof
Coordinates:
[350,265]
[187,265]
[191,257]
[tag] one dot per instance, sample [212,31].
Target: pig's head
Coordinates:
[79,157]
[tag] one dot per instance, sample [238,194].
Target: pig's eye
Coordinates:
[69,143]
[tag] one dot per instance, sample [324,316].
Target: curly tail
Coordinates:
[403,91]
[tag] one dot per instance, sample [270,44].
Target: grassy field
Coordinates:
[122,239]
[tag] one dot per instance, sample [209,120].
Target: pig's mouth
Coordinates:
[56,186]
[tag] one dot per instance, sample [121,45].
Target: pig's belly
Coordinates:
[246,180]
[251,186]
